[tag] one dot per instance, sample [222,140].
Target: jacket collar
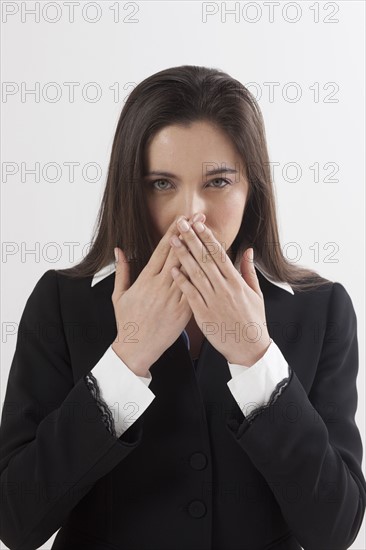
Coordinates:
[110,268]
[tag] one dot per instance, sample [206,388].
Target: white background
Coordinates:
[303,45]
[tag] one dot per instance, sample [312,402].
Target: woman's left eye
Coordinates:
[221,179]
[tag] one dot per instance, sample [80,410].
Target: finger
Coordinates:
[172,261]
[248,271]
[209,253]
[199,217]
[201,279]
[190,290]
[161,252]
[183,270]
[122,276]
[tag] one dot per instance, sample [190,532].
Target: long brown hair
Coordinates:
[182,95]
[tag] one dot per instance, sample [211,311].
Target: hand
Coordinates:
[228,307]
[152,313]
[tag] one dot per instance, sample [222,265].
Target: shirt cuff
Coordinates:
[252,387]
[126,394]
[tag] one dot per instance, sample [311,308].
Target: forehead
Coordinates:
[191,144]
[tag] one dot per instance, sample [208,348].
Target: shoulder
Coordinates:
[44,290]
[341,312]
[53,288]
[332,299]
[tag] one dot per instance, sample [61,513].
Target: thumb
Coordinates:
[248,271]
[122,278]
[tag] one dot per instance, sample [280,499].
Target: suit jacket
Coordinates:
[191,473]
[122,397]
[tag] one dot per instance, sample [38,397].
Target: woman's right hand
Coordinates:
[152,313]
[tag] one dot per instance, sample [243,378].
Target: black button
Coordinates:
[198,461]
[197,508]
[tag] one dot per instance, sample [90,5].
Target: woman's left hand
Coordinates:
[228,308]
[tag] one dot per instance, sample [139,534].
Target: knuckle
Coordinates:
[199,273]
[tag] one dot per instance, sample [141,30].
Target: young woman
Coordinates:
[184,387]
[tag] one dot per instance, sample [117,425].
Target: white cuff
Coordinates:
[126,394]
[253,386]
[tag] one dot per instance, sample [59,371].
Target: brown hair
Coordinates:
[182,95]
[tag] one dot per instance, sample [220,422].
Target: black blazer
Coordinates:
[191,473]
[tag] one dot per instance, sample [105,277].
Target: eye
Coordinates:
[158,188]
[221,179]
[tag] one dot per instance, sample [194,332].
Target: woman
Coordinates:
[209,406]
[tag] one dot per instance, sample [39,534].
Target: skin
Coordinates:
[197,276]
[186,152]
[154,295]
[216,293]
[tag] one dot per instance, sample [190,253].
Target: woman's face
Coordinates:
[188,154]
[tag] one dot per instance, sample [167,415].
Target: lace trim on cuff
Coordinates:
[274,396]
[107,416]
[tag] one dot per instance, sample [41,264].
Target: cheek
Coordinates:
[227,219]
[156,222]
[238,208]
[230,213]
[160,213]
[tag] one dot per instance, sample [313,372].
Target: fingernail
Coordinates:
[116,254]
[198,217]
[183,225]
[199,227]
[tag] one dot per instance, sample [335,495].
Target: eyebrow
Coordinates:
[208,172]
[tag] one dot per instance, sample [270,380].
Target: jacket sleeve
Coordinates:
[54,445]
[261,384]
[121,395]
[308,447]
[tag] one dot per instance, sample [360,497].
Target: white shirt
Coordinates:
[128,395]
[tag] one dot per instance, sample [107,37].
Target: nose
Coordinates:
[191,204]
